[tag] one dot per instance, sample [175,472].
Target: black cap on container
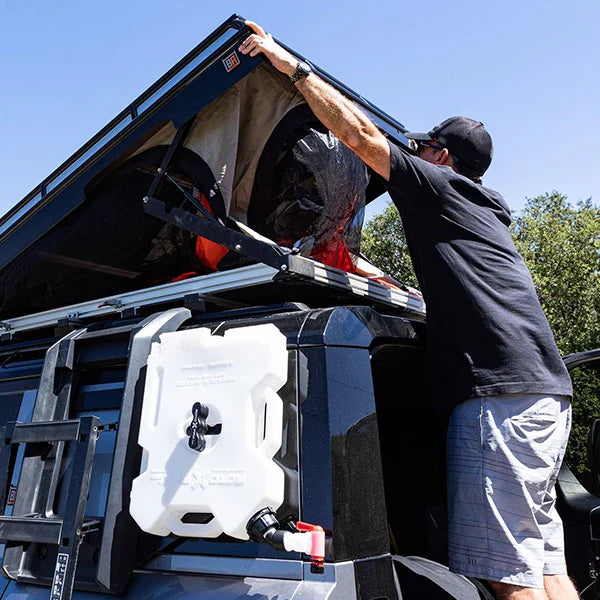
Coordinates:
[466,139]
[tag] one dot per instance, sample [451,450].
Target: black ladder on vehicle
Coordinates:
[67,533]
[57,446]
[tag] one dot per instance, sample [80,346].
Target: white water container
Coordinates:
[237,377]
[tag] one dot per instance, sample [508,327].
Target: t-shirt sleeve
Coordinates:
[412,179]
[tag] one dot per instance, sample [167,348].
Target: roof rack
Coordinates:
[309,277]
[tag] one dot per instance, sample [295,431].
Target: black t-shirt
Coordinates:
[486,331]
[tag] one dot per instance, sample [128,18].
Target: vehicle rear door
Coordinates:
[578,487]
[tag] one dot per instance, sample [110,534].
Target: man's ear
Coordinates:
[443,158]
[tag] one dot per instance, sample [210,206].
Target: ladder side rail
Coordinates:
[63,384]
[72,529]
[8,456]
[38,479]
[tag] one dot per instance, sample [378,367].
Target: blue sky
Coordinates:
[530,70]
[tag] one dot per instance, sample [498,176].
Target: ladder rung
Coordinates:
[42,431]
[30,529]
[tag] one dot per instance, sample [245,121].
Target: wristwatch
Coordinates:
[302,70]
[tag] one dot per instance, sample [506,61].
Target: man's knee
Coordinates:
[560,587]
[507,591]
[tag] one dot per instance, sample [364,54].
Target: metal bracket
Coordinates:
[115,303]
[206,226]
[70,322]
[269,254]
[194,302]
[177,142]
[119,549]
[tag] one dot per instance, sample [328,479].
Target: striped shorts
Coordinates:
[504,453]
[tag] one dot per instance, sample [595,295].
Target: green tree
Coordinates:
[384,243]
[561,246]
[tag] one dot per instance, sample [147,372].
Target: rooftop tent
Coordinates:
[253,154]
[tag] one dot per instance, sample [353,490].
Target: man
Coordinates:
[492,358]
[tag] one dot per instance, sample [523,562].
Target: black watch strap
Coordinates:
[302,70]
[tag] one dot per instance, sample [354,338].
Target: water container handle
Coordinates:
[274,407]
[198,530]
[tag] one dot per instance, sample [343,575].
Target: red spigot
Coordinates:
[317,547]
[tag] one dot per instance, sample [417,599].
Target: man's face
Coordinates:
[429,150]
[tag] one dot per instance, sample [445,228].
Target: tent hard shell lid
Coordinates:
[142,206]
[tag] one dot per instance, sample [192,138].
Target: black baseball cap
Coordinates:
[466,139]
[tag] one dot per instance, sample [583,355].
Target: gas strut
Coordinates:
[299,537]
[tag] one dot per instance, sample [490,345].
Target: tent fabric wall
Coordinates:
[231,132]
[314,180]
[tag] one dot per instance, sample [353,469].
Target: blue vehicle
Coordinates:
[216,203]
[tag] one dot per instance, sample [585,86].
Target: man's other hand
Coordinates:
[260,41]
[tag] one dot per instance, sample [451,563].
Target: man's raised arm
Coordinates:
[335,111]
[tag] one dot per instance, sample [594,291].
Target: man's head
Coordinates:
[457,142]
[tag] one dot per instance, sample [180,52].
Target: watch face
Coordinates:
[302,70]
[305,67]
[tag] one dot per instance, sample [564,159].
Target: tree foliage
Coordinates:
[384,243]
[561,246]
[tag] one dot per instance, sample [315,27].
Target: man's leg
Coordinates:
[557,583]
[501,459]
[505,591]
[560,587]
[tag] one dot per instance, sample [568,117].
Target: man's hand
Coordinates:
[263,42]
